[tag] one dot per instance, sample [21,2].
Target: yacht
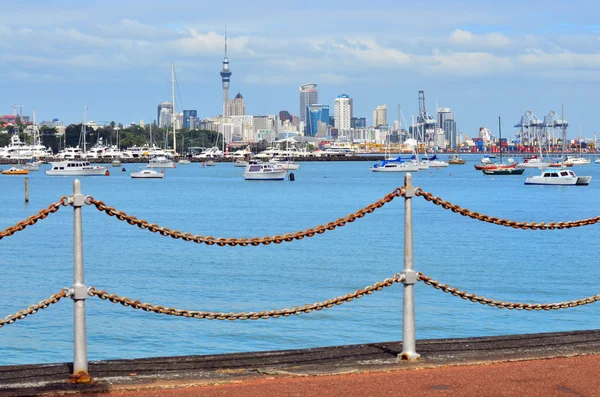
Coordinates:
[210,153]
[160,162]
[285,164]
[70,153]
[147,174]
[264,172]
[558,177]
[394,166]
[576,161]
[75,168]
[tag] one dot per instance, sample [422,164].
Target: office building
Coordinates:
[285,115]
[380,116]
[308,96]
[317,119]
[189,118]
[236,107]
[343,112]
[165,111]
[445,120]
[358,122]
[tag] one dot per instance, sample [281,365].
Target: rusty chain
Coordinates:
[136,304]
[504,222]
[255,241]
[21,314]
[502,304]
[42,214]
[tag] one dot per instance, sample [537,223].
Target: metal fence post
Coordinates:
[410,278]
[78,292]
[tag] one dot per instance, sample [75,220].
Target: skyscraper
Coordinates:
[165,112]
[380,116]
[308,96]
[343,112]
[225,75]
[445,120]
[317,117]
[236,106]
[189,118]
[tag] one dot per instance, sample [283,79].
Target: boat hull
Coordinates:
[265,176]
[504,171]
[89,172]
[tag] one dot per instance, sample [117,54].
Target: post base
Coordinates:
[80,377]
[408,356]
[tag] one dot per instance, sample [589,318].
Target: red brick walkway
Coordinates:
[575,376]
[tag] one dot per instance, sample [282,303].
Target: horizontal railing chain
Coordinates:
[136,304]
[32,220]
[504,222]
[502,304]
[21,314]
[254,241]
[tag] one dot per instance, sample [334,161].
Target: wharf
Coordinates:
[374,366]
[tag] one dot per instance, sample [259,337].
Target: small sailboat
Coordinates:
[502,169]
[145,173]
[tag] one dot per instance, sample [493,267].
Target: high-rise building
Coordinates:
[225,75]
[343,112]
[285,115]
[189,118]
[317,119]
[308,96]
[165,110]
[380,116]
[236,107]
[445,120]
[358,122]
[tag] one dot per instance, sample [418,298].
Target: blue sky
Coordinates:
[483,59]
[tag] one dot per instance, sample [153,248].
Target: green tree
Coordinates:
[4,139]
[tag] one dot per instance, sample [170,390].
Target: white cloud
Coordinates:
[465,38]
[466,64]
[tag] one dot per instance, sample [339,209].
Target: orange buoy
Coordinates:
[107,173]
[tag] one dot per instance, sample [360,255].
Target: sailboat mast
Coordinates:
[173,117]
[83,127]
[500,137]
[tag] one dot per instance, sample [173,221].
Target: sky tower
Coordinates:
[225,75]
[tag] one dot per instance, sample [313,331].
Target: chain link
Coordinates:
[502,304]
[136,304]
[504,222]
[42,214]
[277,239]
[21,314]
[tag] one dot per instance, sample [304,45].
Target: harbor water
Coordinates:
[493,261]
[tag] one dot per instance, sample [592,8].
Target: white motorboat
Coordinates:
[210,163]
[240,163]
[576,161]
[115,162]
[285,164]
[75,168]
[558,177]
[160,162]
[533,162]
[264,172]
[32,165]
[597,161]
[394,166]
[184,161]
[146,173]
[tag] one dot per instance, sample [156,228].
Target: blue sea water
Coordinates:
[489,260]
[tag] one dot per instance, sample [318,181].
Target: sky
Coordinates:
[483,59]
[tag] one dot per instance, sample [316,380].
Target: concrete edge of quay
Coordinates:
[184,371]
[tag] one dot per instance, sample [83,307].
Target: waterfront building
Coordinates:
[165,110]
[331,122]
[317,119]
[308,96]
[225,77]
[189,118]
[236,107]
[445,120]
[343,112]
[380,116]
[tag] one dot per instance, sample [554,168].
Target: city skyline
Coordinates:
[481,59]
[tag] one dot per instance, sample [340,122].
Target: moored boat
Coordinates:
[392,166]
[147,174]
[558,177]
[15,171]
[75,168]
[264,172]
[160,162]
[503,171]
